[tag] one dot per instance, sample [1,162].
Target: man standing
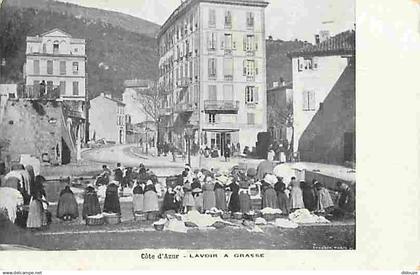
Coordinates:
[119,175]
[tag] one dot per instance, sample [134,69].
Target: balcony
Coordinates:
[221,106]
[184,108]
[166,111]
[184,82]
[38,92]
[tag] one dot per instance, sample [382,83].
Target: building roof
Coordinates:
[178,12]
[340,44]
[109,98]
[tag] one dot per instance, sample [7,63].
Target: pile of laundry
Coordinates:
[269,210]
[304,216]
[10,200]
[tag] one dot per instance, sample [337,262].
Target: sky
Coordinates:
[285,19]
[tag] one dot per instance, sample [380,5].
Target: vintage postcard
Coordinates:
[156,131]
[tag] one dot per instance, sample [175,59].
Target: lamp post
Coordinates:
[189,132]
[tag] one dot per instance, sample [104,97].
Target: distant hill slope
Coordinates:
[279,65]
[114,54]
[127,22]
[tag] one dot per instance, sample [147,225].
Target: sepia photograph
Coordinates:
[178,124]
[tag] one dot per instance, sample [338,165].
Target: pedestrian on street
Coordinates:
[118,174]
[67,208]
[324,202]
[309,196]
[280,188]
[209,197]
[227,153]
[91,206]
[112,201]
[138,197]
[150,204]
[296,197]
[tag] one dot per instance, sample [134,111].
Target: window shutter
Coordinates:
[215,67]
[256,99]
[209,68]
[245,42]
[222,41]
[305,100]
[244,64]
[233,41]
[256,42]
[208,40]
[256,67]
[312,100]
[215,41]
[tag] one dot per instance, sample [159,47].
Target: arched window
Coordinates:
[56,47]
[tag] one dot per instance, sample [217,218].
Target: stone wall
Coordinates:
[36,128]
[325,138]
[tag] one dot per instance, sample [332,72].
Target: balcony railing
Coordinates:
[166,111]
[221,106]
[38,91]
[184,82]
[183,108]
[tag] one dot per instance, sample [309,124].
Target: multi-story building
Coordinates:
[107,119]
[212,72]
[323,99]
[55,68]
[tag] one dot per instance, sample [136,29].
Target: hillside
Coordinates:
[279,66]
[114,54]
[92,15]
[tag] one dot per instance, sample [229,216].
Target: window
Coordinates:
[62,67]
[228,41]
[212,118]
[308,63]
[36,67]
[251,94]
[75,88]
[212,18]
[251,119]
[49,67]
[36,88]
[56,47]
[250,43]
[308,101]
[62,87]
[212,92]
[250,68]
[227,92]
[50,86]
[75,67]
[250,19]
[212,67]
[196,68]
[228,68]
[44,48]
[228,19]
[300,64]
[211,41]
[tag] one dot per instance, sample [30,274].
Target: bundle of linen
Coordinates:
[10,199]
[269,210]
[284,223]
[304,216]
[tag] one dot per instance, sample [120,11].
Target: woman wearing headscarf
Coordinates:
[269,194]
[67,208]
[324,202]
[138,197]
[244,197]
[112,201]
[91,206]
[296,198]
[37,214]
[219,191]
[209,197]
[283,200]
[150,204]
[309,196]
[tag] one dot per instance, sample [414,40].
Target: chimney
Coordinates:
[103,94]
[317,39]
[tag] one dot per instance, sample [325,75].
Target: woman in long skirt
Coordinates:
[197,194]
[325,202]
[269,194]
[67,208]
[112,201]
[309,196]
[36,216]
[234,203]
[91,206]
[138,198]
[219,191]
[209,198]
[150,203]
[296,197]
[244,197]
[188,201]
[283,200]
